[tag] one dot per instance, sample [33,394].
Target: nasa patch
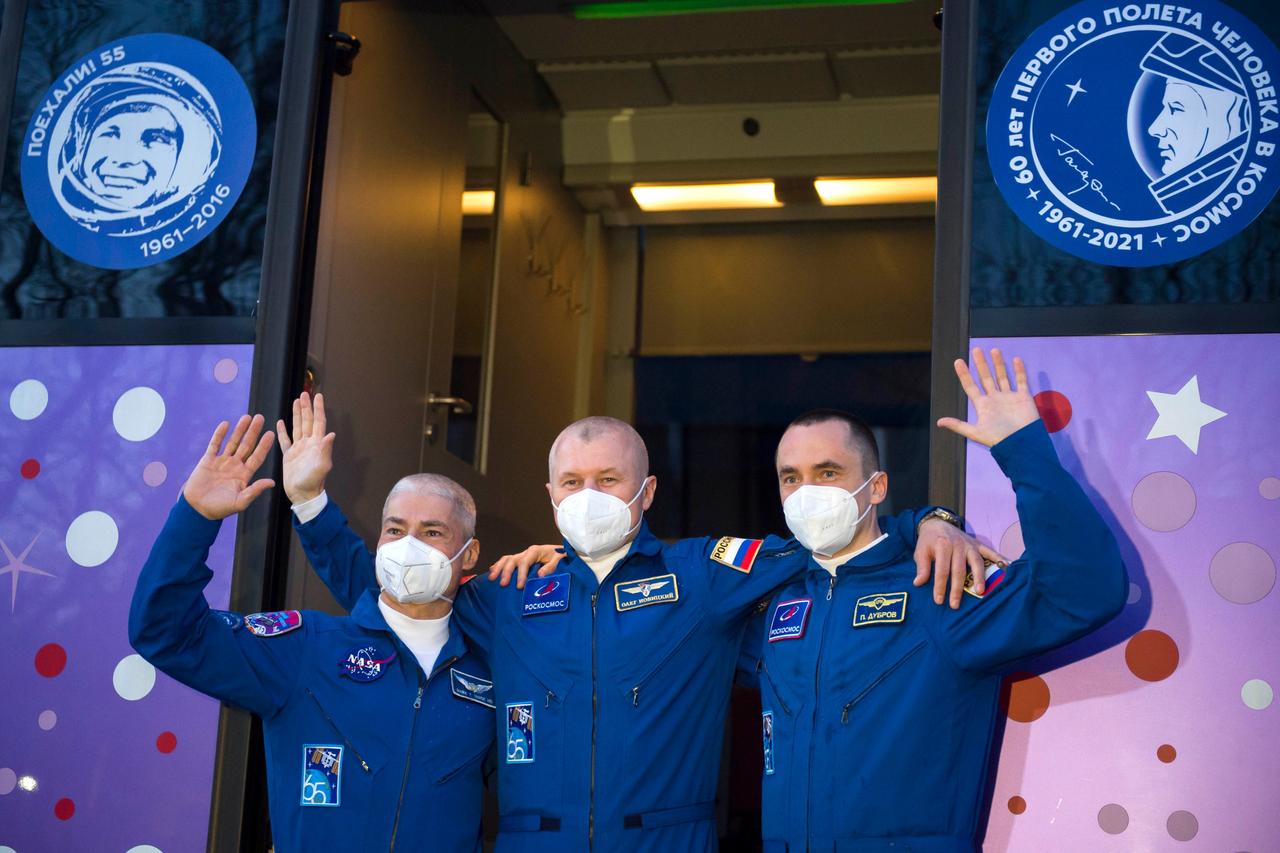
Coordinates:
[662,589]
[138,150]
[789,619]
[366,663]
[273,624]
[520,733]
[473,688]
[546,595]
[766,725]
[1138,134]
[321,775]
[883,608]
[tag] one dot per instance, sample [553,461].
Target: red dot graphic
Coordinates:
[167,742]
[1054,408]
[51,659]
[63,809]
[30,469]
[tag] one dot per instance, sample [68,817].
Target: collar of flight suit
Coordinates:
[645,544]
[888,550]
[367,615]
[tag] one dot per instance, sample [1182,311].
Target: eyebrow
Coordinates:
[391,519]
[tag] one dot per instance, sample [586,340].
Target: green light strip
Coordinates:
[652,8]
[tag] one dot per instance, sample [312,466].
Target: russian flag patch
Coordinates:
[737,553]
[995,574]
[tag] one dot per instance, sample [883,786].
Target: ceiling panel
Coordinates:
[760,78]
[604,85]
[882,73]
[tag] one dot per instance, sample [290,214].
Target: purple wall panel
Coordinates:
[95,443]
[1160,731]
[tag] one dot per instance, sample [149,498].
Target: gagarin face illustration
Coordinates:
[1193,121]
[132,154]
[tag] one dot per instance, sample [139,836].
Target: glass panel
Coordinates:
[132,205]
[475,278]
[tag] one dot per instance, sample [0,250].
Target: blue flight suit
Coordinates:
[853,671]
[364,750]
[611,698]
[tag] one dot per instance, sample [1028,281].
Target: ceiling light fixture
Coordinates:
[477,202]
[837,191]
[743,194]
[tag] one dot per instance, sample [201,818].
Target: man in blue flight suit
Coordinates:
[852,669]
[612,675]
[376,725]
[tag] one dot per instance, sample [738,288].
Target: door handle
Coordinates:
[457,405]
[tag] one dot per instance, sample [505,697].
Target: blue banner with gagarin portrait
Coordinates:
[1138,134]
[138,151]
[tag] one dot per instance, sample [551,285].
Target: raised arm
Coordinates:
[339,556]
[170,622]
[1071,578]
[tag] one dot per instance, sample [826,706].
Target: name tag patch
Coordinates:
[473,688]
[995,574]
[546,595]
[273,624]
[883,608]
[366,663]
[789,619]
[737,554]
[662,589]
[520,733]
[321,775]
[766,724]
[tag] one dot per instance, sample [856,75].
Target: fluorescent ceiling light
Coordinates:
[647,8]
[657,197]
[835,191]
[477,202]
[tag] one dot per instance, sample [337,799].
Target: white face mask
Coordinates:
[595,523]
[825,518]
[413,572]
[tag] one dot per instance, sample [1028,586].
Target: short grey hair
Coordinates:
[437,485]
[588,429]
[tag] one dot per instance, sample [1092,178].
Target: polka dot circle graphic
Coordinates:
[8,780]
[1055,409]
[30,469]
[1017,805]
[167,742]
[4,849]
[1269,488]
[225,370]
[155,473]
[92,538]
[139,414]
[1166,753]
[1242,573]
[47,720]
[144,848]
[1163,501]
[1182,826]
[133,678]
[1028,697]
[1151,655]
[51,659]
[1011,544]
[1257,694]
[1113,819]
[1135,593]
[64,808]
[28,399]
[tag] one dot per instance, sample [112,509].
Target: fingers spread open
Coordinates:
[219,433]
[283,434]
[237,434]
[306,414]
[984,370]
[250,441]
[1020,375]
[1002,373]
[966,380]
[260,452]
[319,423]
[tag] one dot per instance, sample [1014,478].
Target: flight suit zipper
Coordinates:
[844,714]
[408,755]
[817,683]
[675,649]
[761,666]
[591,796]
[364,765]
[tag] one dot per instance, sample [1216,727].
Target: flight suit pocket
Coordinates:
[655,659]
[532,741]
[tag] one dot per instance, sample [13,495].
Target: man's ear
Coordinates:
[471,556]
[650,489]
[879,488]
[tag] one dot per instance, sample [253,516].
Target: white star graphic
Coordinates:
[1182,414]
[1075,89]
[18,565]
[1158,239]
[1033,194]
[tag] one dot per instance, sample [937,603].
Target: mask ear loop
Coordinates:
[869,504]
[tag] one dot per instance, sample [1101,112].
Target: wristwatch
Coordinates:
[942,514]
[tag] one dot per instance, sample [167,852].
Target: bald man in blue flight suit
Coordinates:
[852,669]
[612,675]
[368,748]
